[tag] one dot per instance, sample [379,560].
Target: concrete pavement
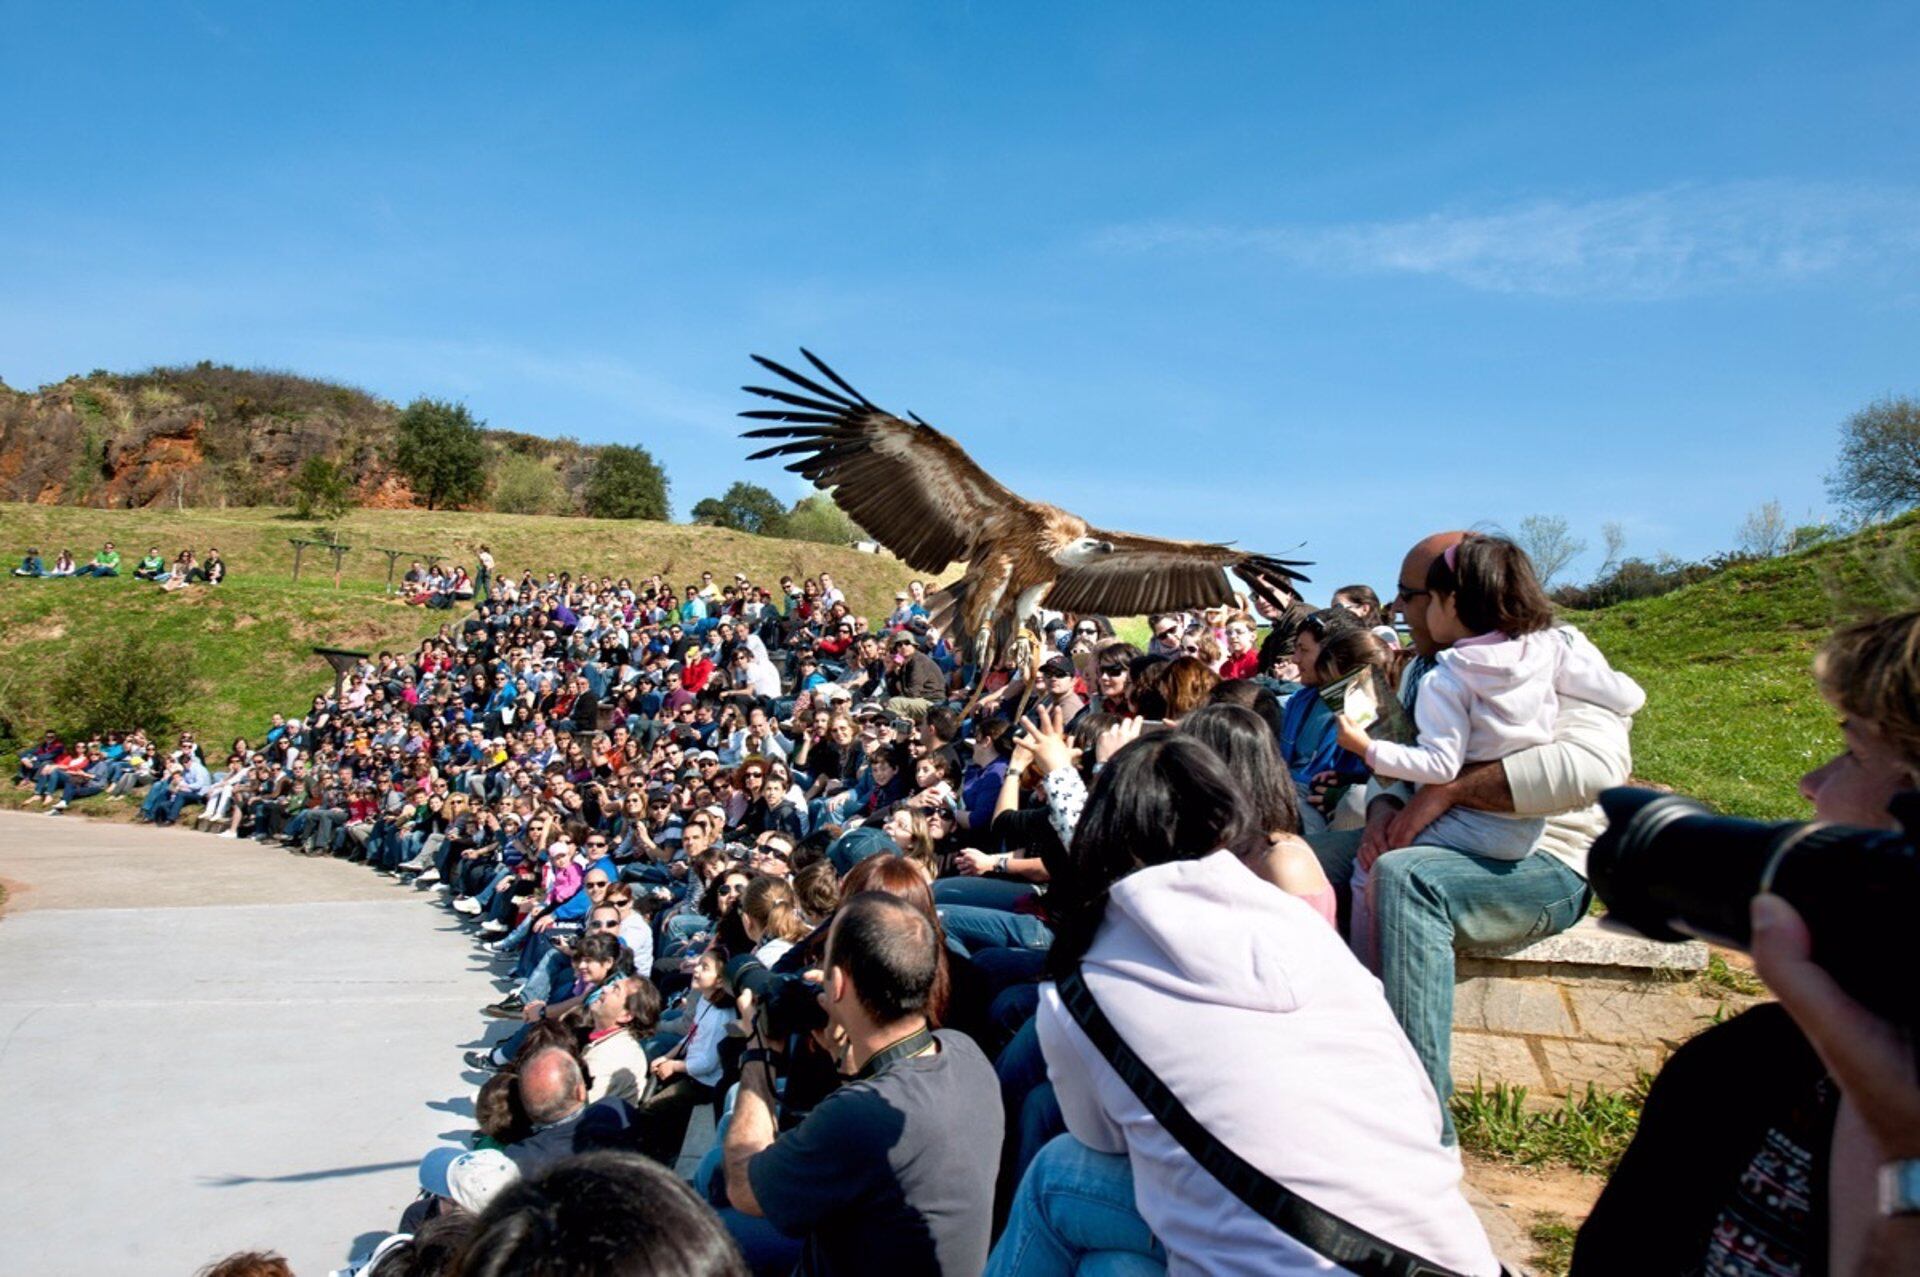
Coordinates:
[210,1046]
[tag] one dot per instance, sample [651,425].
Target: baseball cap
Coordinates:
[1057,666]
[468,1177]
[856,845]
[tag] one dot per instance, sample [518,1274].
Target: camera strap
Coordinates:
[1319,1230]
[912,1044]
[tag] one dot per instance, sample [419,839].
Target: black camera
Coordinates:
[1670,868]
[789,1004]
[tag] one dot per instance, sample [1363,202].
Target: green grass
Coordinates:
[253,635]
[1587,1132]
[1552,1237]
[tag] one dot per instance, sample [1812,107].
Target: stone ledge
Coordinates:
[1587,943]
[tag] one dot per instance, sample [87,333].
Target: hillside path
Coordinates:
[211,1045]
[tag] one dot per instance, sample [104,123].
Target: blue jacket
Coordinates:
[1310,742]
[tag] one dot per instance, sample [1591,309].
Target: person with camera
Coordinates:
[1767,1141]
[893,1172]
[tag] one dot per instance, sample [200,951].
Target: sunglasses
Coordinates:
[596,882]
[602,926]
[1165,634]
[730,890]
[1112,671]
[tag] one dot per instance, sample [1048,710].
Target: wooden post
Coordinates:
[338,552]
[299,547]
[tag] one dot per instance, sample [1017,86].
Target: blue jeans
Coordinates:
[1074,1215]
[1428,899]
[977,927]
[985,893]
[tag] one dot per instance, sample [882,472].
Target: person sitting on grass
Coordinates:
[105,563]
[152,567]
[63,565]
[30,564]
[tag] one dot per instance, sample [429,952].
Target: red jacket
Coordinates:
[1245,665]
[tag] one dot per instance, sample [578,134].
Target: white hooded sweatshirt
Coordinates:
[1254,1013]
[1492,696]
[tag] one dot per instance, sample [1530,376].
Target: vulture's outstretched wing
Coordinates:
[1151,574]
[913,488]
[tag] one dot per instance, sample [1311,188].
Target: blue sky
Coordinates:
[1282,274]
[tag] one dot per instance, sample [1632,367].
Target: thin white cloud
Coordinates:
[1676,241]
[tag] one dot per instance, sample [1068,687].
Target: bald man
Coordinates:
[1429,899]
[553,1091]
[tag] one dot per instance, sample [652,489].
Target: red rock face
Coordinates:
[204,436]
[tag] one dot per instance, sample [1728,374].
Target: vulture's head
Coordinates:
[1083,551]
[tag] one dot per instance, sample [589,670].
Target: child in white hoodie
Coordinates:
[1495,691]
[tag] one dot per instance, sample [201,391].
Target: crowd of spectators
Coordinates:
[736,846]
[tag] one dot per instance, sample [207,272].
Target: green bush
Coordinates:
[524,484]
[117,682]
[322,490]
[440,449]
[818,518]
[626,483]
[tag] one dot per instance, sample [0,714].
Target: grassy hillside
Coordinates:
[253,633]
[1732,715]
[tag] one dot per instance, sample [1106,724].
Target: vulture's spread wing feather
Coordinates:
[1153,574]
[913,488]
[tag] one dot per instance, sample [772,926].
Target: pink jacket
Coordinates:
[1279,1042]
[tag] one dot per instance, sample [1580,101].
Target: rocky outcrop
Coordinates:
[209,435]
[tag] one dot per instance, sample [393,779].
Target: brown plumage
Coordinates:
[924,498]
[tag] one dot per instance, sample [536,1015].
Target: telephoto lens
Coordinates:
[1670,868]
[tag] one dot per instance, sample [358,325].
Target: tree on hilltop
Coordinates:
[626,483]
[439,448]
[1879,470]
[1550,543]
[819,518]
[745,507]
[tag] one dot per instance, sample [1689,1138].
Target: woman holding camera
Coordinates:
[1763,1138]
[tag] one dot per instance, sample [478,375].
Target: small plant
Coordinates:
[118,681]
[1552,1237]
[1588,1132]
[1722,976]
[322,489]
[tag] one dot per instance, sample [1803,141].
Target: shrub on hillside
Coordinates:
[322,490]
[818,518]
[524,484]
[440,449]
[116,682]
[626,483]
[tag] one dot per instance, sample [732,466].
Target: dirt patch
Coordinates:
[1531,1195]
[245,621]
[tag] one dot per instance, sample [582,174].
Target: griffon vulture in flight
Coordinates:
[924,499]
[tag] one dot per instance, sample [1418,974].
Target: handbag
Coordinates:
[1314,1227]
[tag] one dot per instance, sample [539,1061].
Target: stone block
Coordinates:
[1612,1066]
[1654,1014]
[1531,1008]
[1588,943]
[1488,1059]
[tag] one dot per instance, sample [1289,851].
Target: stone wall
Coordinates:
[1588,1005]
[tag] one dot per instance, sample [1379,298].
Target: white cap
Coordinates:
[468,1177]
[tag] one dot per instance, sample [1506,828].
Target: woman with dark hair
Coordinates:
[1244,743]
[1223,984]
[601,1215]
[1332,653]
[1363,603]
[1112,674]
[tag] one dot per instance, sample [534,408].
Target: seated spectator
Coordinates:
[1160,926]
[553,1091]
[1331,652]
[152,567]
[892,1172]
[619,1021]
[602,1215]
[63,564]
[105,563]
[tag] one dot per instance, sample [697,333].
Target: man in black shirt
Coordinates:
[892,1173]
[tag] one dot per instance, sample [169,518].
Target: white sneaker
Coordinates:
[467,905]
[57,808]
[494,927]
[428,878]
[229,834]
